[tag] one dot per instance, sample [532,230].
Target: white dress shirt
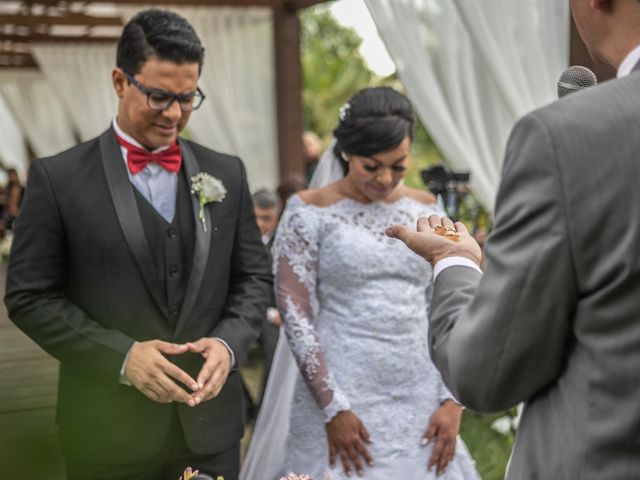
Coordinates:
[157,185]
[630,61]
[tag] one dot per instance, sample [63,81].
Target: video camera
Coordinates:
[452,187]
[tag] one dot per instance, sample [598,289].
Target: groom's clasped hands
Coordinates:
[149,370]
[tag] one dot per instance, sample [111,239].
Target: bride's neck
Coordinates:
[347,188]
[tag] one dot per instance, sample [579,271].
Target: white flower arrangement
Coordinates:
[208,189]
[508,424]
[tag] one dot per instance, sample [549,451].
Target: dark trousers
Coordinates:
[169,464]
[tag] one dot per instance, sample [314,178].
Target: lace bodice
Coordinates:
[340,281]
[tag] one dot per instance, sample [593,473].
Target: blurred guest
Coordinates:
[267,207]
[13,195]
[311,149]
[291,183]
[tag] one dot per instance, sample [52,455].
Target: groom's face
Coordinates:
[154,128]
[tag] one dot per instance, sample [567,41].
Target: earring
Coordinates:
[344,157]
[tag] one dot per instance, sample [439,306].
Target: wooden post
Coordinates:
[288,89]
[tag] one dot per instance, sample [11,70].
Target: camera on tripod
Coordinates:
[452,187]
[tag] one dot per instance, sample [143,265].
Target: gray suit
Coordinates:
[555,319]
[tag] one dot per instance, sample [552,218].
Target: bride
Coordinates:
[365,398]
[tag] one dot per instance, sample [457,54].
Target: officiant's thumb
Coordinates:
[398,231]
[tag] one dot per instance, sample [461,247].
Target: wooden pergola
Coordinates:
[48,21]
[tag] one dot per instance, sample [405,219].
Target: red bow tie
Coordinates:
[138,158]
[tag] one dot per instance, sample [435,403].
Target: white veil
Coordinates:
[328,170]
[267,451]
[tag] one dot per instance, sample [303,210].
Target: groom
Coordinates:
[148,306]
[554,321]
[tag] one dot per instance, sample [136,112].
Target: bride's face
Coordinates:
[377,176]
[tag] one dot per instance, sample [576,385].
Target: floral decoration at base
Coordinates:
[189,473]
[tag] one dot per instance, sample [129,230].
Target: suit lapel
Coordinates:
[202,242]
[128,216]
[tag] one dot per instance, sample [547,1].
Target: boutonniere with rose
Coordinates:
[208,189]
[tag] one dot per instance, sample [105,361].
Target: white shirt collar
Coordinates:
[129,139]
[626,67]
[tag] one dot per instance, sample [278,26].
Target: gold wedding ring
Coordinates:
[448,232]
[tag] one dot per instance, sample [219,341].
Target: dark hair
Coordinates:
[266,199]
[374,120]
[157,33]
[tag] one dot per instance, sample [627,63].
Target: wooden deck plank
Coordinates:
[28,387]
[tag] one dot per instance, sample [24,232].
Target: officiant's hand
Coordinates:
[444,426]
[215,370]
[434,247]
[347,438]
[150,372]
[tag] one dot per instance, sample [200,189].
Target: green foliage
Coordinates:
[489,449]
[333,69]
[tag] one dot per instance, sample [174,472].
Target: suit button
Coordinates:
[175,310]
[173,271]
[172,233]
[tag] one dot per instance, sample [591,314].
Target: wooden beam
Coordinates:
[74,19]
[225,3]
[35,37]
[288,90]
[300,4]
[295,4]
[17,60]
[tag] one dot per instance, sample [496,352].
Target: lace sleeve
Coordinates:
[295,262]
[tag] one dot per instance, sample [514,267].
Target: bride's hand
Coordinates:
[444,427]
[348,438]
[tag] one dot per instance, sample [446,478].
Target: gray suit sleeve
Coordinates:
[499,338]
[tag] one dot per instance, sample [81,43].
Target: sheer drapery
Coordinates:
[38,111]
[239,114]
[473,68]
[13,152]
[80,74]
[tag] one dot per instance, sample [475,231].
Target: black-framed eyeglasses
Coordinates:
[158,99]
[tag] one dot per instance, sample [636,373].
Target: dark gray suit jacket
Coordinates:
[555,320]
[82,283]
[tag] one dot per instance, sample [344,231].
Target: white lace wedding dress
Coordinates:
[355,313]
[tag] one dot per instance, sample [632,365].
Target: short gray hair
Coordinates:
[265,199]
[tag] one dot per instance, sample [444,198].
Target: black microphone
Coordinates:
[575,78]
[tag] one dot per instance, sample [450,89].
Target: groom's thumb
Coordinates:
[171,348]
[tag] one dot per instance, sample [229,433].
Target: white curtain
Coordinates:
[239,113]
[13,152]
[472,68]
[80,75]
[38,111]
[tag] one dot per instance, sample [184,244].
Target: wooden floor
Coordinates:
[28,384]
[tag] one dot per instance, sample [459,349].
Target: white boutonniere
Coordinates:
[208,189]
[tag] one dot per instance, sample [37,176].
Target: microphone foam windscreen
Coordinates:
[575,78]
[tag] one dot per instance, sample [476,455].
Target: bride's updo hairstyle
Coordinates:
[374,120]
